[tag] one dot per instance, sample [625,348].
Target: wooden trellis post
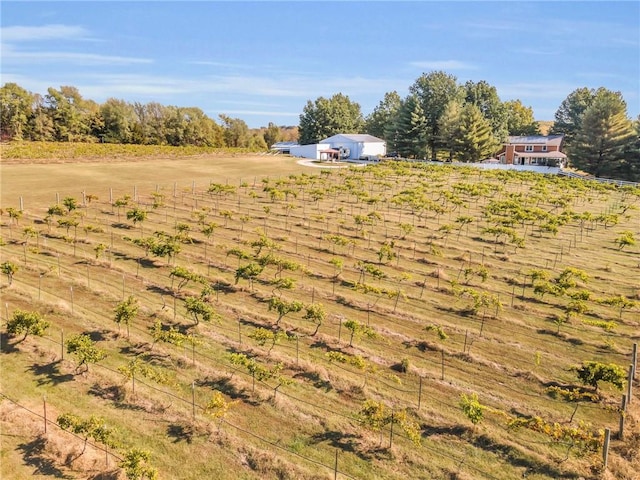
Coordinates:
[623,408]
[605,446]
[44,407]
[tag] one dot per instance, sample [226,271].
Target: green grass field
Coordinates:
[433,269]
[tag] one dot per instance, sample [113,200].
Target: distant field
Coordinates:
[431,280]
[97,176]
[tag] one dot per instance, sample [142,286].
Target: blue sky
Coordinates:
[262,61]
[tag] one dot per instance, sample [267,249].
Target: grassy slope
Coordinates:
[312,416]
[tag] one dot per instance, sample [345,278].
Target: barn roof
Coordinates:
[284,144]
[353,137]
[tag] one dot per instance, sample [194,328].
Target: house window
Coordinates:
[544,148]
[528,148]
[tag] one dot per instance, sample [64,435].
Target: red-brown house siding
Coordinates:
[509,149]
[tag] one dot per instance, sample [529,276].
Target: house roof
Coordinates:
[541,154]
[352,137]
[536,139]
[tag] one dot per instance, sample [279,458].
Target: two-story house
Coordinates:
[533,150]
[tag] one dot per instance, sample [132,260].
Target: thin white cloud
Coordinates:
[133,85]
[20,33]
[568,31]
[162,88]
[443,65]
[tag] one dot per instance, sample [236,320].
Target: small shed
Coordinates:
[307,151]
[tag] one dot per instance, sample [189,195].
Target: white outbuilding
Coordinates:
[356,146]
[344,146]
[307,151]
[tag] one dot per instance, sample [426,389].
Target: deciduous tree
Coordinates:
[434,92]
[326,117]
[519,119]
[16,107]
[592,373]
[472,408]
[9,269]
[92,427]
[136,465]
[485,97]
[126,311]
[29,323]
[85,350]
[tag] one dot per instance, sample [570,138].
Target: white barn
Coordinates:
[345,146]
[356,146]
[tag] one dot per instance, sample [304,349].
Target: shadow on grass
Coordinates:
[223,287]
[101,335]
[421,345]
[142,352]
[560,335]
[320,344]
[32,454]
[255,324]
[347,442]
[160,290]
[225,385]
[180,433]
[6,346]
[447,309]
[519,459]
[111,475]
[114,394]
[49,373]
[506,452]
[138,349]
[124,226]
[315,380]
[455,430]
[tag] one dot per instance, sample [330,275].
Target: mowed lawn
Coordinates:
[39,182]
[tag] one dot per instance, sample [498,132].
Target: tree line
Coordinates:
[63,115]
[439,119]
[442,120]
